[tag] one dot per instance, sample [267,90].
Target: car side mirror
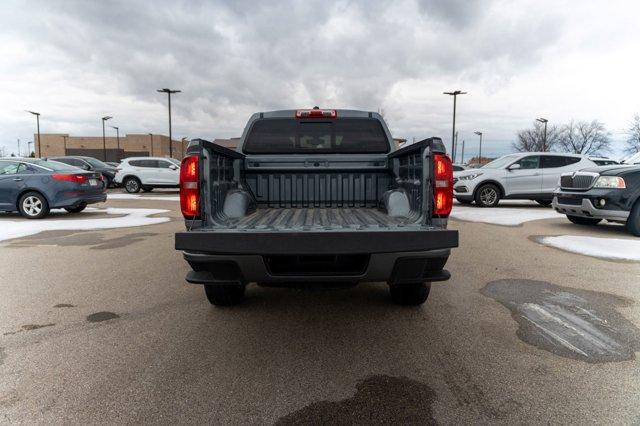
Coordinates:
[173,167]
[514,167]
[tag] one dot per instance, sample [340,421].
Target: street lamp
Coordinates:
[462,160]
[453,131]
[37,114]
[118,139]
[169,92]
[544,138]
[104,140]
[480,149]
[151,135]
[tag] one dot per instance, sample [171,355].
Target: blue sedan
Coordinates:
[33,186]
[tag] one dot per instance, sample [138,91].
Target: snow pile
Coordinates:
[140,197]
[607,248]
[129,218]
[504,216]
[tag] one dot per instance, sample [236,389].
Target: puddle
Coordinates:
[94,241]
[378,400]
[64,305]
[102,316]
[571,323]
[29,327]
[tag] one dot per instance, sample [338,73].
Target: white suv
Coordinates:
[523,176]
[146,173]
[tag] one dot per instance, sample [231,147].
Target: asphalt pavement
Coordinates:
[99,326]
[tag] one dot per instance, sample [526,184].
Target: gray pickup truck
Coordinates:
[317,196]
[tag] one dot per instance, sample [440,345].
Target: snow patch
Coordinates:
[141,197]
[606,248]
[129,218]
[506,216]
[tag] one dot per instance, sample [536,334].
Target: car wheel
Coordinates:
[583,220]
[76,209]
[224,295]
[132,185]
[487,195]
[147,188]
[33,205]
[545,203]
[466,202]
[633,222]
[410,294]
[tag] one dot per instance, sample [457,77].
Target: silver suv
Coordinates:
[522,176]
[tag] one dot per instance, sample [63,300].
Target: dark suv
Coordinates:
[90,164]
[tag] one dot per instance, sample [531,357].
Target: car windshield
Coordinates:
[501,162]
[96,163]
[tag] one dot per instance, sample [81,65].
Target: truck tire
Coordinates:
[33,205]
[583,220]
[633,222]
[544,202]
[488,195]
[224,295]
[410,294]
[132,185]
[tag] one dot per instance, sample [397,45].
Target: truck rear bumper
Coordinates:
[395,268]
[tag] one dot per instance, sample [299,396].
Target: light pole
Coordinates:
[64,139]
[104,140]
[453,131]
[462,160]
[19,147]
[118,140]
[544,138]
[29,148]
[169,92]
[480,149]
[37,114]
[151,135]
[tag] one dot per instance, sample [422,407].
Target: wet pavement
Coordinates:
[98,326]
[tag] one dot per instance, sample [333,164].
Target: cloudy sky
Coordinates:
[75,61]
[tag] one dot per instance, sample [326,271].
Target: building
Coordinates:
[130,145]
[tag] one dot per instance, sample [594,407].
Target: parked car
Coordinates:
[603,161]
[33,186]
[632,159]
[112,163]
[316,196]
[523,176]
[459,167]
[147,173]
[606,192]
[90,164]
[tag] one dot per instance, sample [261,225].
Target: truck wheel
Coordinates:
[633,222]
[410,294]
[583,220]
[544,202]
[33,205]
[224,295]
[487,195]
[132,185]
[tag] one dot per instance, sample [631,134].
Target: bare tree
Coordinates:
[532,140]
[633,139]
[584,137]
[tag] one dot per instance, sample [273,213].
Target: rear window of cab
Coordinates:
[316,136]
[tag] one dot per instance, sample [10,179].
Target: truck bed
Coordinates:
[300,219]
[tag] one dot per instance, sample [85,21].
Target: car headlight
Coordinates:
[610,182]
[470,177]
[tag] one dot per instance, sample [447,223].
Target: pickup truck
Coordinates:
[316,195]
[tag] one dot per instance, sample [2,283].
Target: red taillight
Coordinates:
[443,185]
[190,187]
[70,178]
[316,113]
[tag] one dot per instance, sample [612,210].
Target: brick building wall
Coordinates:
[130,145]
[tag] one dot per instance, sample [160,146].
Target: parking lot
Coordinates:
[99,326]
